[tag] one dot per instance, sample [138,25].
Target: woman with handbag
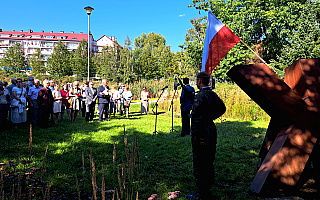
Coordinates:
[75,95]
[127,95]
[18,104]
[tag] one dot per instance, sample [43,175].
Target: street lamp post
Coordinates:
[89,10]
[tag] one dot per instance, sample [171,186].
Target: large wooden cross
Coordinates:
[294,107]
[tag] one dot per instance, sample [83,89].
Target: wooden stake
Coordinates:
[30,141]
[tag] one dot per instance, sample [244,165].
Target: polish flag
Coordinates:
[218,42]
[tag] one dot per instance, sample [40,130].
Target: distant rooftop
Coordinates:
[43,35]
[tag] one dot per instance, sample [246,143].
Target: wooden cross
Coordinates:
[294,126]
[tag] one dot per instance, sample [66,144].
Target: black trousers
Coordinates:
[45,112]
[204,149]
[90,111]
[185,123]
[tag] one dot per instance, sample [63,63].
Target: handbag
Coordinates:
[15,103]
[127,103]
[70,103]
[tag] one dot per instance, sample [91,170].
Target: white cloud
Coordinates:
[182,15]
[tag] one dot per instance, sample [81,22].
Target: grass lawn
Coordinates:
[162,162]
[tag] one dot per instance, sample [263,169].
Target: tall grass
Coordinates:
[239,105]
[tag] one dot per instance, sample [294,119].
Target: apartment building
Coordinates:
[46,41]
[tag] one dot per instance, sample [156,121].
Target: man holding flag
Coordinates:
[207,107]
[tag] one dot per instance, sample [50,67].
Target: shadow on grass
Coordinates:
[165,158]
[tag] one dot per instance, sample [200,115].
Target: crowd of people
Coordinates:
[34,102]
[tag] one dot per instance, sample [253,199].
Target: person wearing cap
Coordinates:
[186,102]
[145,96]
[207,106]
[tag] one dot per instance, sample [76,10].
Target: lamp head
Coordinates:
[89,9]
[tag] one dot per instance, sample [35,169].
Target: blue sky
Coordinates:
[170,18]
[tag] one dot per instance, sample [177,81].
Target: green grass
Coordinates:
[165,158]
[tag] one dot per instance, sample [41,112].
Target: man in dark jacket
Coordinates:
[104,98]
[45,102]
[91,96]
[207,106]
[186,101]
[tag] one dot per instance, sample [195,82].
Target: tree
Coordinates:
[13,61]
[80,61]
[59,63]
[304,43]
[268,24]
[37,64]
[193,47]
[152,56]
[106,63]
[126,63]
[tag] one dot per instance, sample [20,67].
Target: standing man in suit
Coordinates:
[186,101]
[91,96]
[104,98]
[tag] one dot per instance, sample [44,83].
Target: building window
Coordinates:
[5,35]
[48,37]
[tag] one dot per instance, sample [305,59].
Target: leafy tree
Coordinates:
[125,70]
[14,59]
[193,47]
[152,56]
[59,63]
[37,64]
[106,63]
[268,24]
[305,39]
[80,61]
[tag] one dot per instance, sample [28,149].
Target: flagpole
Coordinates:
[255,53]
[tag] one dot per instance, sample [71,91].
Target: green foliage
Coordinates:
[107,63]
[59,63]
[125,71]
[152,57]
[239,105]
[305,39]
[269,24]
[193,47]
[37,64]
[14,59]
[153,87]
[80,61]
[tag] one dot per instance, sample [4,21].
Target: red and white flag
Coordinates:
[218,42]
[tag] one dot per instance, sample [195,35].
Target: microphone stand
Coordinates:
[171,107]
[156,106]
